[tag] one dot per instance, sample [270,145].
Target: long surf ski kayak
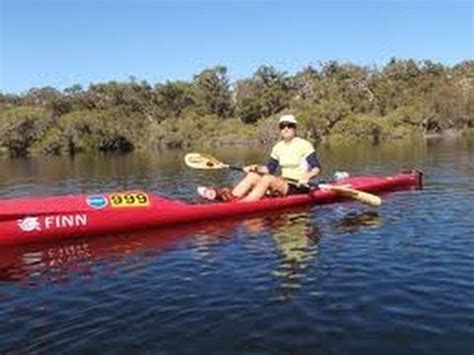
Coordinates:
[43,219]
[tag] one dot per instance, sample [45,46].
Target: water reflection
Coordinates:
[55,262]
[295,238]
[294,235]
[353,221]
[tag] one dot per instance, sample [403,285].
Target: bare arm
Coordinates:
[309,175]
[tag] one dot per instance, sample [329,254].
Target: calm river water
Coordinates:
[333,279]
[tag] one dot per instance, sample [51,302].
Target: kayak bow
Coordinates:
[37,219]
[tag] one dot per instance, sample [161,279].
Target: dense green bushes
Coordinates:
[337,102]
[21,127]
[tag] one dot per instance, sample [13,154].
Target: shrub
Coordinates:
[361,127]
[20,127]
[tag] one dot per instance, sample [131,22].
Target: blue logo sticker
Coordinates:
[97,201]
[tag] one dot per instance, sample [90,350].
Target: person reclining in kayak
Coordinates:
[292,157]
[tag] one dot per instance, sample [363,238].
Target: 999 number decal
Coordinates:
[139,199]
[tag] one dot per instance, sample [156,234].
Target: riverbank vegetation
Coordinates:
[336,102]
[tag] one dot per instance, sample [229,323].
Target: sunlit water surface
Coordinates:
[333,279]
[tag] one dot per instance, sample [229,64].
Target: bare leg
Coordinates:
[246,184]
[267,182]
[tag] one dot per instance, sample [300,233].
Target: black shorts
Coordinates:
[296,190]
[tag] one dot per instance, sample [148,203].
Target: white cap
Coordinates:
[287,118]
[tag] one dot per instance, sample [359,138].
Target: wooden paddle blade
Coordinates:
[202,161]
[362,196]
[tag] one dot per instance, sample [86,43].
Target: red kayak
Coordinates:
[60,217]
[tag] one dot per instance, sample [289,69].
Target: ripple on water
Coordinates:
[339,278]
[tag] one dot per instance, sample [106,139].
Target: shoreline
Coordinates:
[326,141]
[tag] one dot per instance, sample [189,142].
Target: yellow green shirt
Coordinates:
[292,157]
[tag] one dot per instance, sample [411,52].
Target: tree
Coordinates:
[213,91]
[266,93]
[20,127]
[173,98]
[306,85]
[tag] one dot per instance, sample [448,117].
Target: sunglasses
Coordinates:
[287,125]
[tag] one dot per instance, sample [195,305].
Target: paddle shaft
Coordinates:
[358,195]
[201,161]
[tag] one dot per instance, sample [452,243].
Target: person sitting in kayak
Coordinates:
[291,158]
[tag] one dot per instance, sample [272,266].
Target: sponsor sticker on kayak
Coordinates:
[30,224]
[132,199]
[97,201]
